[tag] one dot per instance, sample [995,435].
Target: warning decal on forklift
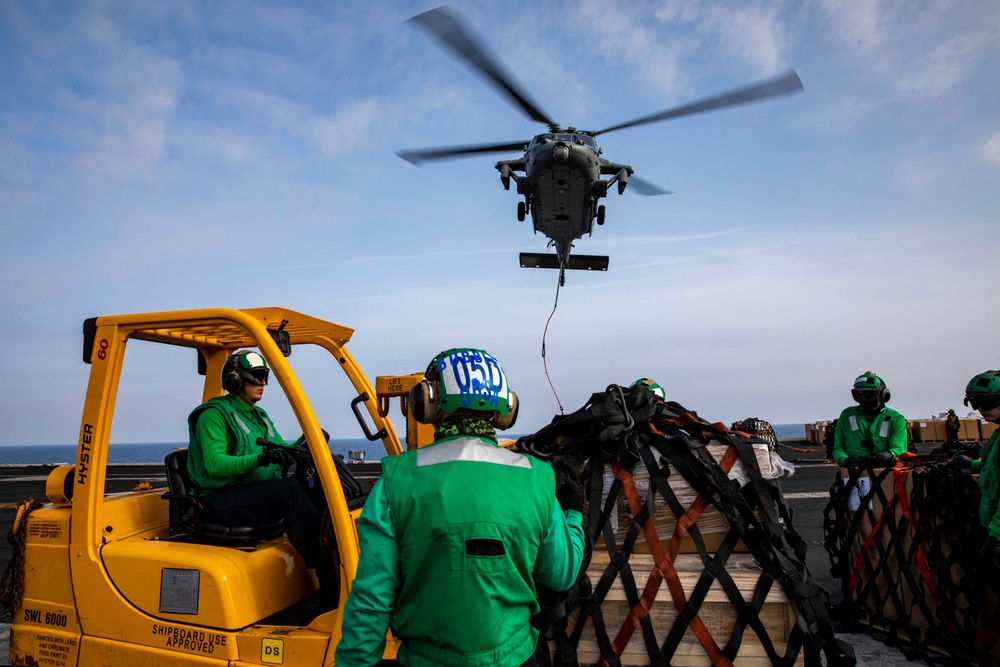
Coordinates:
[272,651]
[54,650]
[45,529]
[179,590]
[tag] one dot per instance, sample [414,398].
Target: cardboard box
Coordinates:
[968,429]
[895,565]
[716,612]
[871,497]
[925,431]
[941,430]
[986,430]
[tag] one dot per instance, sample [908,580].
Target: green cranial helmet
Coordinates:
[983,391]
[869,385]
[868,381]
[244,366]
[652,386]
[470,380]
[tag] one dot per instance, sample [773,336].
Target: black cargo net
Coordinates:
[637,453]
[757,428]
[905,542]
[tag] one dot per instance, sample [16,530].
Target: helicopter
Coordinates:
[559,175]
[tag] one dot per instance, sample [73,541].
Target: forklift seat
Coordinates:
[183,514]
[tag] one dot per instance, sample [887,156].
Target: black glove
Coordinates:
[279,455]
[569,489]
[851,462]
[883,459]
[962,461]
[991,554]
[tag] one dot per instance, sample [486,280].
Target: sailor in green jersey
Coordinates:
[983,394]
[652,386]
[870,430]
[454,535]
[239,483]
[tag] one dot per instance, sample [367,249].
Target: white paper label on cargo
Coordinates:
[861,488]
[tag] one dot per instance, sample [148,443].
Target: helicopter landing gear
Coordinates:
[600,214]
[521,211]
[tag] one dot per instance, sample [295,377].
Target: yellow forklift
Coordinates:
[110,578]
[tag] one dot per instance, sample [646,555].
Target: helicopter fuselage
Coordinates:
[562,185]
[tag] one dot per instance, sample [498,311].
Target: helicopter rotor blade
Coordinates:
[645,188]
[782,85]
[444,25]
[451,152]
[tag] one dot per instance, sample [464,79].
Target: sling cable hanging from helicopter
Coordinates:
[544,363]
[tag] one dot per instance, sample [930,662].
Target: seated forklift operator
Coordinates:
[239,483]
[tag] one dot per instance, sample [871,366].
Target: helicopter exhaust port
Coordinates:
[622,180]
[505,176]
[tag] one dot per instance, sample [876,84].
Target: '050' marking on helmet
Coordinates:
[473,375]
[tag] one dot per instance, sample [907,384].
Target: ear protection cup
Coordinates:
[422,404]
[231,382]
[885,394]
[504,423]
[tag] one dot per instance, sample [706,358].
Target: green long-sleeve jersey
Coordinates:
[858,434]
[223,450]
[452,537]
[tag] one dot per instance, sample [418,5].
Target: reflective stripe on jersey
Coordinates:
[466,449]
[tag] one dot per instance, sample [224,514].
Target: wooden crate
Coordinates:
[712,523]
[716,612]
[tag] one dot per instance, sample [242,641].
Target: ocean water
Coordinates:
[155,452]
[149,452]
[788,431]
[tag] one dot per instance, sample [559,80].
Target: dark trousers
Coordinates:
[264,501]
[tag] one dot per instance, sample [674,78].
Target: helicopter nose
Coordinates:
[560,152]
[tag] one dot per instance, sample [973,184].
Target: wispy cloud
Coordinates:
[943,68]
[990,151]
[858,23]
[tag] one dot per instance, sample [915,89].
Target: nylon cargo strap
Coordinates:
[621,429]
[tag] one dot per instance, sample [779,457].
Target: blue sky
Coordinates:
[158,156]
